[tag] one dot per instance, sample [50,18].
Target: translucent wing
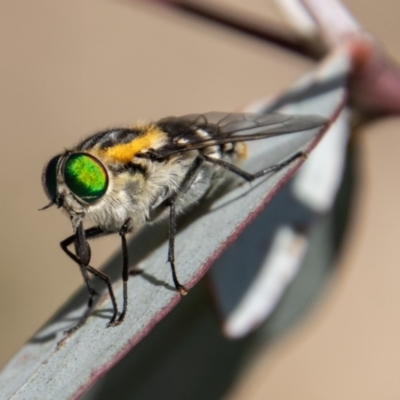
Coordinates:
[229,127]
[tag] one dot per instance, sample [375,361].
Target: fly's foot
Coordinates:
[182,290]
[70,331]
[116,321]
[82,321]
[121,318]
[113,321]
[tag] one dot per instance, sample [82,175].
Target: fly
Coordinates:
[124,178]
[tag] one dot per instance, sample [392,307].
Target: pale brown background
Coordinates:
[69,68]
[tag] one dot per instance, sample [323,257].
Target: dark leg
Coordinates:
[191,174]
[125,269]
[171,249]
[107,281]
[187,180]
[89,233]
[89,307]
[250,177]
[90,288]
[82,259]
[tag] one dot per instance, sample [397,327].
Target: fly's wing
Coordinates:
[188,131]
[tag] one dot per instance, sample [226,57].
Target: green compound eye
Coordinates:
[86,177]
[50,178]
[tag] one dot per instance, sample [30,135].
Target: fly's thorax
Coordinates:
[120,146]
[163,179]
[123,200]
[136,189]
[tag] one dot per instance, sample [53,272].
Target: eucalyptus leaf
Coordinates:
[52,365]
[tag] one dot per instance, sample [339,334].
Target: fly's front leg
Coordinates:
[250,177]
[82,258]
[64,245]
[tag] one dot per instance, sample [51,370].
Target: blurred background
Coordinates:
[73,67]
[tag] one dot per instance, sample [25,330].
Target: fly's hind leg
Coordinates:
[251,177]
[190,176]
[171,248]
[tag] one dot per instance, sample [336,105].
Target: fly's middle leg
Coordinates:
[186,182]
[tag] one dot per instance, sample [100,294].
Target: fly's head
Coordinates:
[107,192]
[76,182]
